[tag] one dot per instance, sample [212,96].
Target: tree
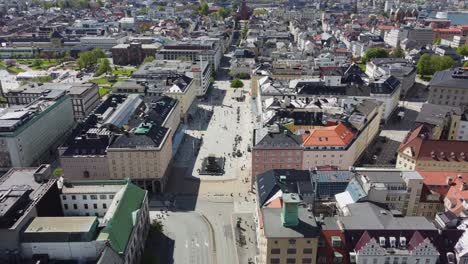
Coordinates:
[237,83]
[463,50]
[374,53]
[37,63]
[465,64]
[398,52]
[260,12]
[148,59]
[58,172]
[440,63]
[161,8]
[424,65]
[437,41]
[100,3]
[104,67]
[203,9]
[223,13]
[98,53]
[156,226]
[10,62]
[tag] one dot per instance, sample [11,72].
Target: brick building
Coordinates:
[133,53]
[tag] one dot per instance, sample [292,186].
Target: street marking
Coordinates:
[186,243]
[206,243]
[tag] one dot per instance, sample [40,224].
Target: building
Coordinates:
[16,52]
[286,232]
[26,193]
[101,219]
[382,236]
[182,89]
[85,98]
[133,53]
[103,42]
[444,122]
[449,88]
[28,133]
[419,151]
[209,50]
[401,69]
[128,86]
[158,70]
[275,148]
[396,189]
[126,136]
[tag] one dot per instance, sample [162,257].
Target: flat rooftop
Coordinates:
[69,224]
[274,228]
[72,187]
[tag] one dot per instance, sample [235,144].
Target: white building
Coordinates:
[106,222]
[103,42]
[28,132]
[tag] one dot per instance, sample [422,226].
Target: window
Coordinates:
[292,241]
[73,197]
[85,197]
[65,206]
[274,260]
[307,251]
[93,197]
[95,206]
[336,241]
[275,251]
[306,260]
[64,197]
[85,206]
[291,251]
[104,206]
[75,206]
[321,242]
[290,260]
[322,260]
[102,196]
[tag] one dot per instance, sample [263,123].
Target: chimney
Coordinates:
[43,173]
[290,209]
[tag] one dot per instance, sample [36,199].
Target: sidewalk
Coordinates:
[245,237]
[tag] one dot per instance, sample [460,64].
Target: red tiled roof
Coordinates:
[415,240]
[427,149]
[439,178]
[339,135]
[364,240]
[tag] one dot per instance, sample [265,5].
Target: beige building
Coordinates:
[182,89]
[418,152]
[341,145]
[449,88]
[286,232]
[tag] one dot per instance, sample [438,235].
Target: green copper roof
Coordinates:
[120,226]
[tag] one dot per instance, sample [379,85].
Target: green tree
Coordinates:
[98,53]
[463,50]
[104,67]
[58,172]
[437,41]
[374,53]
[260,12]
[203,9]
[100,3]
[223,13]
[237,83]
[465,64]
[161,8]
[37,63]
[148,59]
[440,63]
[424,65]
[398,52]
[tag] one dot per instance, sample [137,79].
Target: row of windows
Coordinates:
[291,251]
[85,206]
[290,261]
[92,197]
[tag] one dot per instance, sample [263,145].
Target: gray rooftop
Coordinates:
[274,228]
[376,218]
[450,79]
[436,114]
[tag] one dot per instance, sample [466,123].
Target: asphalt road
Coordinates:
[191,235]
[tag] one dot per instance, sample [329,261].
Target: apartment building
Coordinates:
[449,88]
[209,49]
[103,42]
[133,53]
[372,234]
[127,136]
[199,71]
[398,190]
[286,231]
[275,147]
[419,152]
[85,98]
[444,122]
[401,69]
[29,132]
